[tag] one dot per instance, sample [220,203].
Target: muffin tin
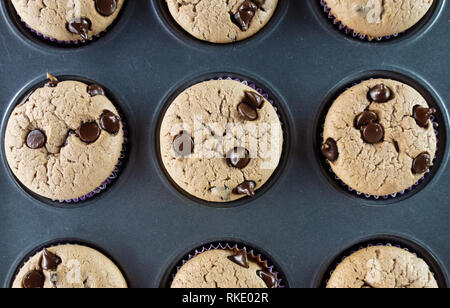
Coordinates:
[303,221]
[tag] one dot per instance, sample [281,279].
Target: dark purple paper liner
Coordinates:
[394,195]
[350,31]
[53,40]
[337,262]
[35,251]
[114,175]
[252,255]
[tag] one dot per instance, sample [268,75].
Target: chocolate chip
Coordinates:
[89,132]
[380,94]
[95,89]
[80,26]
[240,258]
[50,261]
[269,278]
[421,163]
[106,7]
[254,99]
[53,81]
[373,133]
[238,157]
[33,280]
[110,122]
[365,118]
[422,115]
[243,17]
[246,188]
[330,150]
[183,144]
[247,111]
[36,139]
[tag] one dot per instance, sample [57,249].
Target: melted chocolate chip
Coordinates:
[53,81]
[183,144]
[373,133]
[95,89]
[80,26]
[50,261]
[238,157]
[36,139]
[422,115]
[380,94]
[106,7]
[89,132]
[246,188]
[269,278]
[254,99]
[421,163]
[247,111]
[240,258]
[243,17]
[33,280]
[110,122]
[365,118]
[330,150]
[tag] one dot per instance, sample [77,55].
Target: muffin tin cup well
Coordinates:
[100,190]
[385,240]
[176,31]
[439,120]
[321,8]
[69,241]
[25,31]
[255,255]
[268,94]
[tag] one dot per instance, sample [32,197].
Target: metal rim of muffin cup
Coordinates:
[22,30]
[101,190]
[440,118]
[23,259]
[255,254]
[172,27]
[273,98]
[412,246]
[415,31]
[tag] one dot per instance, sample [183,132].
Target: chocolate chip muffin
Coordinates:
[225,268]
[64,140]
[220,140]
[222,21]
[68,20]
[378,18]
[378,137]
[69,266]
[382,267]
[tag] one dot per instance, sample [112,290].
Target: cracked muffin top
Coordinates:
[220,140]
[224,268]
[222,21]
[64,140]
[382,267]
[68,20]
[378,137]
[69,266]
[379,18]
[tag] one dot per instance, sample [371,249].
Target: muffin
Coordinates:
[68,21]
[220,140]
[64,140]
[222,21]
[378,137]
[376,18]
[382,267]
[225,268]
[69,266]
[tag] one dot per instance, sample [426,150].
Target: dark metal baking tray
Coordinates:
[303,220]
